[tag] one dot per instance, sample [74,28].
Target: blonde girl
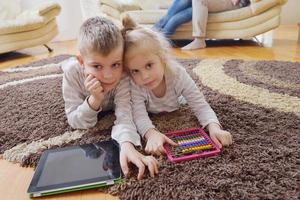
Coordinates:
[160,84]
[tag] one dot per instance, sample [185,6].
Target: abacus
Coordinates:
[192,143]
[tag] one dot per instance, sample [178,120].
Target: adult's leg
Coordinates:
[200,14]
[178,19]
[177,6]
[221,5]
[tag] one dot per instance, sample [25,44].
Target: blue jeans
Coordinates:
[179,13]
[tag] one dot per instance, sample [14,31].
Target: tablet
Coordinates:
[76,168]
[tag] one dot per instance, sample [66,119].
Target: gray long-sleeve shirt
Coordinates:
[81,116]
[180,88]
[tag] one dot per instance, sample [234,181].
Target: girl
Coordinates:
[160,84]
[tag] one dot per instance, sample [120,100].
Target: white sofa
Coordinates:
[29,28]
[261,16]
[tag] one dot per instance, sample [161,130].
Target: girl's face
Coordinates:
[146,69]
[106,69]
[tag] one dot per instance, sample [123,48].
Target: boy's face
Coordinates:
[106,69]
[146,69]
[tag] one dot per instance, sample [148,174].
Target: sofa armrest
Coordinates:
[254,1]
[263,5]
[48,11]
[280,1]
[45,8]
[32,19]
[120,5]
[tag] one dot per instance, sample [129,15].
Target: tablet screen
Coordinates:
[75,166]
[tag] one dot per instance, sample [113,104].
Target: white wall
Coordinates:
[69,19]
[290,12]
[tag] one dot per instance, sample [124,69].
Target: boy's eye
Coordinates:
[116,65]
[134,71]
[148,66]
[97,66]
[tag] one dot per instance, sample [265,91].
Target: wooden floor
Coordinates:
[280,44]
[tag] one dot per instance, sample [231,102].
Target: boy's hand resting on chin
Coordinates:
[95,89]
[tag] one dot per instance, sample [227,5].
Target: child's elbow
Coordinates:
[81,125]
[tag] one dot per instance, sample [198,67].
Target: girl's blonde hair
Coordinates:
[98,34]
[137,38]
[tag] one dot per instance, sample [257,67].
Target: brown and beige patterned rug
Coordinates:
[258,101]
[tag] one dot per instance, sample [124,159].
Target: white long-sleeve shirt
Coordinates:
[180,88]
[81,116]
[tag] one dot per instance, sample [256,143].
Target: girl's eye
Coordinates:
[134,71]
[116,65]
[148,66]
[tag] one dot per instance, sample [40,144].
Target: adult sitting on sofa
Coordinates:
[244,23]
[182,11]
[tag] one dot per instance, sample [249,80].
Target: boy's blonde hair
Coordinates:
[98,34]
[140,38]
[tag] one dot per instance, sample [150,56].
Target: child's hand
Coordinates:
[219,136]
[95,89]
[155,142]
[130,154]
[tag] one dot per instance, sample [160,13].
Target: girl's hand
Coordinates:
[95,89]
[219,136]
[155,142]
[235,2]
[129,154]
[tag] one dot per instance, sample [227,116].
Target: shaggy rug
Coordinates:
[257,101]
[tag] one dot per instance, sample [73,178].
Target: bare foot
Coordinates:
[197,43]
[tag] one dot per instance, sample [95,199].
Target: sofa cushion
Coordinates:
[9,9]
[145,16]
[24,22]
[121,5]
[154,4]
[108,10]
